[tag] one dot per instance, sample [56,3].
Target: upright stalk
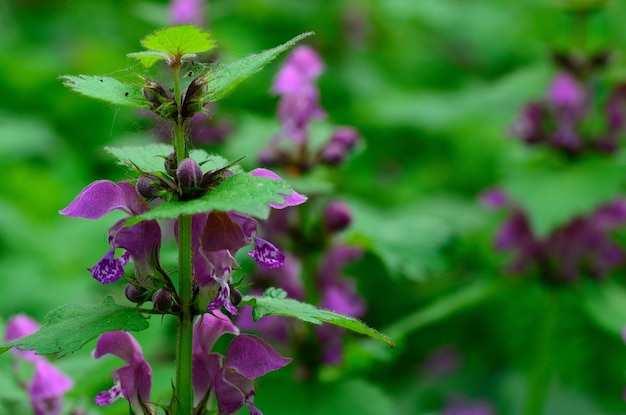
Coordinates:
[184,338]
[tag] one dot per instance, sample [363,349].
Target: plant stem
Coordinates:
[543,366]
[184,337]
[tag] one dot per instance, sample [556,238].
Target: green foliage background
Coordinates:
[433,86]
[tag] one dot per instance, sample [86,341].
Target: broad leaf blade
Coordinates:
[242,192]
[179,40]
[107,89]
[265,306]
[68,328]
[226,77]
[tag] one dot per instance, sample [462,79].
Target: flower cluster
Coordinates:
[299,105]
[48,385]
[229,379]
[321,281]
[573,118]
[583,245]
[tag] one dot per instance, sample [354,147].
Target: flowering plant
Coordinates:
[213,206]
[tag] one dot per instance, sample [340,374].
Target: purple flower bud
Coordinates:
[337,216]
[170,164]
[188,174]
[348,136]
[162,300]
[134,294]
[145,187]
[567,92]
[333,153]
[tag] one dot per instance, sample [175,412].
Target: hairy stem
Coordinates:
[182,388]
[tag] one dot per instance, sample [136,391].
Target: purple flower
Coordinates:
[207,329]
[133,381]
[48,384]
[187,12]
[295,83]
[141,242]
[581,245]
[229,378]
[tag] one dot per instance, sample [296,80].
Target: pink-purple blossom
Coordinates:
[133,381]
[48,384]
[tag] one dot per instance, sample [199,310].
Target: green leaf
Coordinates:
[150,158]
[225,77]
[553,193]
[274,303]
[242,192]
[174,43]
[107,89]
[605,304]
[68,328]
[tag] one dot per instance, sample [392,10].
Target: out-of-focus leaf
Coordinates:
[605,305]
[552,193]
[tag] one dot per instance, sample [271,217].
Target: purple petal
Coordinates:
[98,199]
[20,326]
[48,381]
[252,357]
[266,254]
[222,232]
[232,391]
[292,199]
[109,396]
[566,91]
[205,367]
[335,260]
[187,12]
[208,328]
[222,299]
[494,198]
[120,344]
[109,269]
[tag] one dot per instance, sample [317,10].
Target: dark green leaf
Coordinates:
[225,77]
[68,328]
[107,89]
[274,304]
[241,193]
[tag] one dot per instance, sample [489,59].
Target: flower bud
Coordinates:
[337,216]
[134,294]
[348,136]
[162,300]
[145,187]
[189,175]
[334,153]
[170,164]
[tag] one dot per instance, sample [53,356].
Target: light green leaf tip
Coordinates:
[107,89]
[173,44]
[225,77]
[68,328]
[274,302]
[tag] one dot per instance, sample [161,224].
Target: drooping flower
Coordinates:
[141,242]
[205,365]
[133,382]
[582,245]
[48,384]
[231,378]
[217,236]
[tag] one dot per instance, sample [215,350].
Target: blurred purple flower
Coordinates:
[133,382]
[141,241]
[187,12]
[296,84]
[581,245]
[48,384]
[559,121]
